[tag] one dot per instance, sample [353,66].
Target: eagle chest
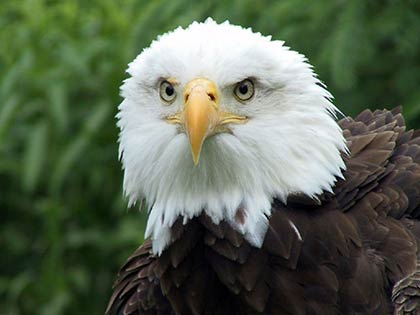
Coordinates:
[311,262]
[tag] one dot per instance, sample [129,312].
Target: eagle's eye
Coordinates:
[244,90]
[167,92]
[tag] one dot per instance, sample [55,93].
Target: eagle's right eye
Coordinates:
[167,92]
[244,90]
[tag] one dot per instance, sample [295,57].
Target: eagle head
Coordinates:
[219,119]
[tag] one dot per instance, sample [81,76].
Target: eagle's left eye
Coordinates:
[167,92]
[244,90]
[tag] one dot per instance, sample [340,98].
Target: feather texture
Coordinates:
[340,254]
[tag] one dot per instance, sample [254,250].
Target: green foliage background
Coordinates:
[64,226]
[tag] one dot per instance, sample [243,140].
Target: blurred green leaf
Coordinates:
[76,148]
[345,51]
[7,112]
[58,106]
[35,156]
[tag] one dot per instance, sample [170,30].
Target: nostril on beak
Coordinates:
[187,96]
[211,96]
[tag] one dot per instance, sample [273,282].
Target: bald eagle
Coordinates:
[260,200]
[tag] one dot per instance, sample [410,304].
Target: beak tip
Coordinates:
[196,159]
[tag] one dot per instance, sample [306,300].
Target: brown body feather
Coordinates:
[341,254]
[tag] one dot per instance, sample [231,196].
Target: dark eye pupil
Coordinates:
[169,90]
[243,88]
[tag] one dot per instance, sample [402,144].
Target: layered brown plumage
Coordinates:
[340,254]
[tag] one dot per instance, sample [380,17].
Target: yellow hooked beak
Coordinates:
[201,116]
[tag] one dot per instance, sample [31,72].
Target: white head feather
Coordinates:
[291,143]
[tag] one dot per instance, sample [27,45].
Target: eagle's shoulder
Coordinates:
[383,163]
[365,232]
